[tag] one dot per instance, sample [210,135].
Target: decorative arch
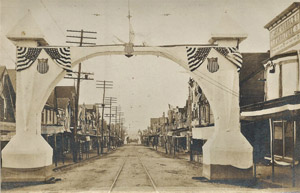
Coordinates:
[218,78]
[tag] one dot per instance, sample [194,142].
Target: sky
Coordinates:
[143,85]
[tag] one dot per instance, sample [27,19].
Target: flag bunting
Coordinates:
[196,56]
[27,56]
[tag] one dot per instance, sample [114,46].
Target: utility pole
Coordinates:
[104,85]
[120,123]
[116,119]
[111,100]
[80,42]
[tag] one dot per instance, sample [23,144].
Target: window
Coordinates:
[43,118]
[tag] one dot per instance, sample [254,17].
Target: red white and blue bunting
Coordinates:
[27,56]
[197,55]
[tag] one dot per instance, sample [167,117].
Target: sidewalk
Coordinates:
[282,175]
[178,155]
[68,159]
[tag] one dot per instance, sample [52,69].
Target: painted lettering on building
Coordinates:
[286,34]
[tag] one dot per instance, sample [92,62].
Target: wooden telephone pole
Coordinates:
[81,37]
[111,101]
[103,85]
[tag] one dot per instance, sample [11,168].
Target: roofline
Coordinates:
[282,14]
[41,41]
[5,69]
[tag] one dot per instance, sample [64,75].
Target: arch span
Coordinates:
[227,149]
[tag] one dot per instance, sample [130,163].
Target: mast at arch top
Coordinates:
[131,33]
[128,16]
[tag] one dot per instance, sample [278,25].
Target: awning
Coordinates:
[203,133]
[170,133]
[7,130]
[287,106]
[8,126]
[179,136]
[153,135]
[275,112]
[179,130]
[52,129]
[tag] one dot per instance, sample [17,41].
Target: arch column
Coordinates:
[227,154]
[28,156]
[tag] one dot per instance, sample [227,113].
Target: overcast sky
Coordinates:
[144,85]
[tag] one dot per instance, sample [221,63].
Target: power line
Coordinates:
[220,87]
[8,54]
[52,17]
[229,90]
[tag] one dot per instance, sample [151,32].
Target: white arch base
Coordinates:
[227,148]
[27,158]
[227,156]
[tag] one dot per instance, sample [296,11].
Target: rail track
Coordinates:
[120,171]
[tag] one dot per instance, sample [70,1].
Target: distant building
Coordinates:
[7,105]
[57,113]
[7,96]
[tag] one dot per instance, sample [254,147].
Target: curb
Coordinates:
[80,163]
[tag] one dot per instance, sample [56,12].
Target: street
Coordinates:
[134,168]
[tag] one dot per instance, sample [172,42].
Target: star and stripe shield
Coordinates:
[197,55]
[212,65]
[27,56]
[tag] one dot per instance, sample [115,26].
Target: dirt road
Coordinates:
[135,168]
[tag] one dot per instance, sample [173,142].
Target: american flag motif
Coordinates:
[43,66]
[26,57]
[61,56]
[196,56]
[232,54]
[212,65]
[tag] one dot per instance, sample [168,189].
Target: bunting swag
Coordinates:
[196,56]
[27,56]
[61,56]
[232,54]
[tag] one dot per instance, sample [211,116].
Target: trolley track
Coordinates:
[122,167]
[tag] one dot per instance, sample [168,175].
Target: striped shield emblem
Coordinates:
[212,65]
[43,66]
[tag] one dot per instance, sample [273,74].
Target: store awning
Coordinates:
[203,133]
[180,130]
[52,129]
[8,126]
[7,130]
[170,133]
[275,112]
[288,107]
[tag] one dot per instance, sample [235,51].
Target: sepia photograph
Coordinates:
[164,96]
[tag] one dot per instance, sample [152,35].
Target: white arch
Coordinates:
[227,147]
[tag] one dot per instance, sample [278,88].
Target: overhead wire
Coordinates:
[230,91]
[211,81]
[53,19]
[220,85]
[14,61]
